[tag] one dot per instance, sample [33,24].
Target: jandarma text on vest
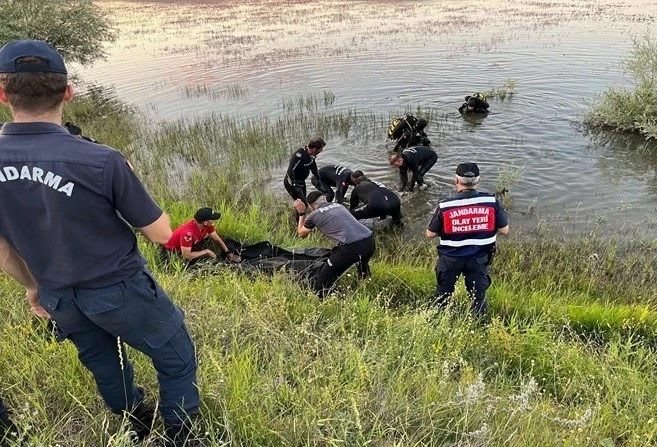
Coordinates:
[10,173]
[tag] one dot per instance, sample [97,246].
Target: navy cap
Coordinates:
[206,213]
[13,52]
[467,170]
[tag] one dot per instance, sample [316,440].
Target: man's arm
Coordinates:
[159,231]
[430,234]
[302,230]
[188,254]
[504,230]
[353,199]
[231,256]
[403,178]
[340,191]
[13,265]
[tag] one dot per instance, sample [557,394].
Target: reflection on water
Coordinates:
[183,58]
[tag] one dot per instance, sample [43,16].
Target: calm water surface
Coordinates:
[183,58]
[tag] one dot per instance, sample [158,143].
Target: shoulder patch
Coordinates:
[132,168]
[299,154]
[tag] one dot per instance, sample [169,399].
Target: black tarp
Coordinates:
[264,257]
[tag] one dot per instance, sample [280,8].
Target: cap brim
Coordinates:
[215,216]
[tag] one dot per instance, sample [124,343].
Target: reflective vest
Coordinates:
[469,225]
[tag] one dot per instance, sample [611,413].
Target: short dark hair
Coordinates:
[314,196]
[357,174]
[34,92]
[316,143]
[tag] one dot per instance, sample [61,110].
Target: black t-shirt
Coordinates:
[65,205]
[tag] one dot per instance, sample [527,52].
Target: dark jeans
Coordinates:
[323,188]
[206,243]
[139,313]
[477,280]
[342,257]
[424,168]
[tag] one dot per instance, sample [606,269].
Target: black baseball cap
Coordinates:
[467,170]
[12,53]
[206,213]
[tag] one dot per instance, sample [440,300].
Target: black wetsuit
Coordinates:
[336,176]
[412,138]
[301,164]
[378,201]
[418,160]
[480,106]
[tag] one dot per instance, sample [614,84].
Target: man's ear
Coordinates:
[69,93]
[3,96]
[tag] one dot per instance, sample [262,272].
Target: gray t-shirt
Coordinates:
[336,223]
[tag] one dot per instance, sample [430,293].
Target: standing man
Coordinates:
[192,239]
[378,201]
[73,204]
[467,225]
[335,176]
[355,242]
[301,164]
[418,160]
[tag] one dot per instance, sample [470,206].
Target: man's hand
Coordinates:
[232,257]
[33,299]
[299,206]
[210,253]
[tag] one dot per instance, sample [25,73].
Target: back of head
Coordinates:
[394,158]
[467,174]
[33,75]
[314,197]
[316,143]
[421,124]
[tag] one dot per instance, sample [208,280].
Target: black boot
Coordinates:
[142,419]
[181,435]
[8,430]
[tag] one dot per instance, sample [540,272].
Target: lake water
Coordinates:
[183,58]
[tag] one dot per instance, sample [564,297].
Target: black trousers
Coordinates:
[380,209]
[325,189]
[342,257]
[477,280]
[424,168]
[296,191]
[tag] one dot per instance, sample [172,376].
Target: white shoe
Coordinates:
[424,187]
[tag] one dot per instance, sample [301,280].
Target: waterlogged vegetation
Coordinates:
[632,109]
[566,359]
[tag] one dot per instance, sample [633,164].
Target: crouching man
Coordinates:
[192,240]
[355,242]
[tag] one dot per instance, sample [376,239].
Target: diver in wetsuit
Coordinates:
[418,160]
[335,176]
[474,104]
[301,164]
[377,200]
[413,137]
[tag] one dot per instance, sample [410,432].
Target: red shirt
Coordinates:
[187,235]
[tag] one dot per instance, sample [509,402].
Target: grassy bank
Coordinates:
[566,360]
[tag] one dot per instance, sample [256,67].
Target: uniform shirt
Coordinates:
[371,192]
[336,175]
[65,203]
[467,223]
[413,157]
[301,164]
[336,223]
[188,235]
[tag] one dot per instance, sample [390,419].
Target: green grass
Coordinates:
[566,360]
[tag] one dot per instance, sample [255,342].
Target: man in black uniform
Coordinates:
[413,136]
[467,225]
[378,201]
[474,104]
[301,164]
[335,176]
[69,241]
[355,242]
[418,160]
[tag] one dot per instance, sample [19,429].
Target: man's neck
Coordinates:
[460,188]
[24,117]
